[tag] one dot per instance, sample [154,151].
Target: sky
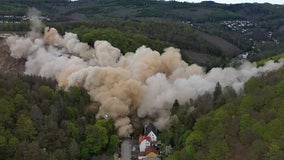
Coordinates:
[238,1]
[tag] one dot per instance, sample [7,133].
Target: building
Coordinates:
[151,152]
[148,144]
[144,142]
[151,131]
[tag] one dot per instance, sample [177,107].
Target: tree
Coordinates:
[8,26]
[166,137]
[274,130]
[36,115]
[258,128]
[203,104]
[20,102]
[7,111]
[59,154]
[194,142]
[218,149]
[73,150]
[8,143]
[254,118]
[107,124]
[27,151]
[260,148]
[46,92]
[25,128]
[275,152]
[216,95]
[95,141]
[70,129]
[246,133]
[113,142]
[253,85]
[203,124]
[280,88]
[176,155]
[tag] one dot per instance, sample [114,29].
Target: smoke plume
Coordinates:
[144,84]
[36,24]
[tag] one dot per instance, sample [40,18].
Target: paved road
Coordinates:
[126,149]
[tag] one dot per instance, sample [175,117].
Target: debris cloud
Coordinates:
[36,24]
[144,84]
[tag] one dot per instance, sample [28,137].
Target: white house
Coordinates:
[144,142]
[153,136]
[151,131]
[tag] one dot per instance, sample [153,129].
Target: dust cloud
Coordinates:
[143,84]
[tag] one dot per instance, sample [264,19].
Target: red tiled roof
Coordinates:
[142,137]
[150,149]
[141,154]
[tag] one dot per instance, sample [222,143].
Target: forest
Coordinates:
[229,126]
[193,27]
[40,120]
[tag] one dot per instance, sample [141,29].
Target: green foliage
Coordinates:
[203,124]
[273,58]
[99,137]
[259,147]
[20,102]
[25,128]
[40,121]
[280,87]
[8,142]
[173,156]
[194,143]
[126,41]
[253,85]
[166,137]
[218,150]
[219,15]
[128,35]
[113,142]
[258,128]
[7,111]
[17,83]
[74,150]
[249,125]
[274,152]
[273,130]
[217,95]
[46,92]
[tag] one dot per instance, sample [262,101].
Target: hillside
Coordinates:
[249,126]
[66,93]
[7,63]
[256,29]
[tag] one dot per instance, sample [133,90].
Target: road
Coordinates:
[126,149]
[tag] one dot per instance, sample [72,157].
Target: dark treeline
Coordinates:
[129,35]
[180,35]
[164,23]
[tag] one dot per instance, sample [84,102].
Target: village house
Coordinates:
[148,144]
